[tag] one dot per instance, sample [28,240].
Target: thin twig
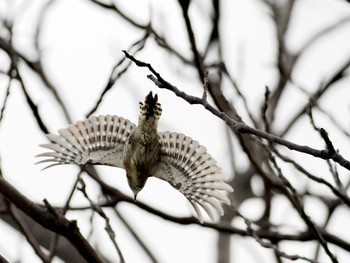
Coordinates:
[239,127]
[118,72]
[99,210]
[55,238]
[7,95]
[295,199]
[136,236]
[264,110]
[342,196]
[270,245]
[28,234]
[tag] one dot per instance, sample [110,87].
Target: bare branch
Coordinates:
[99,210]
[28,234]
[50,219]
[239,127]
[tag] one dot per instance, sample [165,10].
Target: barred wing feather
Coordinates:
[97,140]
[187,166]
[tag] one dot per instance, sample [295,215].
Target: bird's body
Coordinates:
[143,152]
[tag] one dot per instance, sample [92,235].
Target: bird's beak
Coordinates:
[135,196]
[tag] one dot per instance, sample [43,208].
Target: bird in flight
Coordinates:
[143,152]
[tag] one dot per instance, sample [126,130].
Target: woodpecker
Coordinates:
[143,152]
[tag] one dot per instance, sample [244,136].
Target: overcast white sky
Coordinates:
[81,43]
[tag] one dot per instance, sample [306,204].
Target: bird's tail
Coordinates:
[150,111]
[150,107]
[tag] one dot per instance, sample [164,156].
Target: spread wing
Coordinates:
[97,140]
[187,166]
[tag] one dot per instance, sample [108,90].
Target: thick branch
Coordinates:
[50,219]
[269,234]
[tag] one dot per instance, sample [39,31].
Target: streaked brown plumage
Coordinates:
[143,152]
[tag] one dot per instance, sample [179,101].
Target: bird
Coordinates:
[143,152]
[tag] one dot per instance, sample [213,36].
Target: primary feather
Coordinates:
[97,140]
[187,166]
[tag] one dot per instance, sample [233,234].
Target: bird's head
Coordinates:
[136,182]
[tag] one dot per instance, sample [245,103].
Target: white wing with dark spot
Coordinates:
[97,140]
[187,166]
